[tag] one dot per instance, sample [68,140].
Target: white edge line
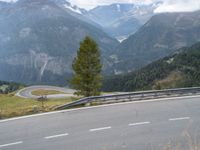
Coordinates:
[11,144]
[176,119]
[92,107]
[139,123]
[99,129]
[56,136]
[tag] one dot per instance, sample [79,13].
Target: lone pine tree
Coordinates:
[87,69]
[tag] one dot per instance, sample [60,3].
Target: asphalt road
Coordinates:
[152,125]
[27,92]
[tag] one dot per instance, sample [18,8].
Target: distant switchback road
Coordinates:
[150,125]
[27,92]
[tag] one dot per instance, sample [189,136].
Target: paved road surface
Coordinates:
[26,92]
[131,126]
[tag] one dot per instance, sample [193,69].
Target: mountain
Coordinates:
[159,37]
[39,39]
[122,20]
[3,5]
[179,70]
[69,6]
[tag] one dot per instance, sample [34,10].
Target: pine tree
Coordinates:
[87,69]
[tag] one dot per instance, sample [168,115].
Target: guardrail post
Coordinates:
[116,98]
[1,113]
[129,97]
[142,96]
[156,94]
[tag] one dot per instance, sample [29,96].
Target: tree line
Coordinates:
[8,87]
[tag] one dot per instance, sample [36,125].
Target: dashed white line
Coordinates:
[11,144]
[99,129]
[139,123]
[177,119]
[56,136]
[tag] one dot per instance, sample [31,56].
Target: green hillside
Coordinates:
[179,70]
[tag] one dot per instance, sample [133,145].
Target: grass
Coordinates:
[12,106]
[46,92]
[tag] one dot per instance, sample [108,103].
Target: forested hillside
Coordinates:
[179,70]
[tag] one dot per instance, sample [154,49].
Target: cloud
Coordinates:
[88,4]
[178,6]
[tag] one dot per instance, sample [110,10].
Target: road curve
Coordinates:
[153,125]
[27,92]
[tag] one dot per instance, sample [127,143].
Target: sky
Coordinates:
[167,6]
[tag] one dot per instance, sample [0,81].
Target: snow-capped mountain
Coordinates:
[67,5]
[122,20]
[75,11]
[118,20]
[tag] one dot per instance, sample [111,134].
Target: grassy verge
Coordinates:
[12,106]
[46,92]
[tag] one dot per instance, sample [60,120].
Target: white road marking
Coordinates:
[56,136]
[11,144]
[177,119]
[139,123]
[99,129]
[93,107]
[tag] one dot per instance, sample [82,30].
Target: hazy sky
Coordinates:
[168,5]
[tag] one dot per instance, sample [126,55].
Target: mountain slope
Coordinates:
[39,39]
[179,70]
[158,38]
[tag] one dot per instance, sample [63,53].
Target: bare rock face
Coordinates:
[38,64]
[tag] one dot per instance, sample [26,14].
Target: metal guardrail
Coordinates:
[134,96]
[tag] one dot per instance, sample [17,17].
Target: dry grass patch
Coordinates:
[46,92]
[173,80]
[12,106]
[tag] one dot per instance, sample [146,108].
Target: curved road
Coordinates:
[150,125]
[27,92]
